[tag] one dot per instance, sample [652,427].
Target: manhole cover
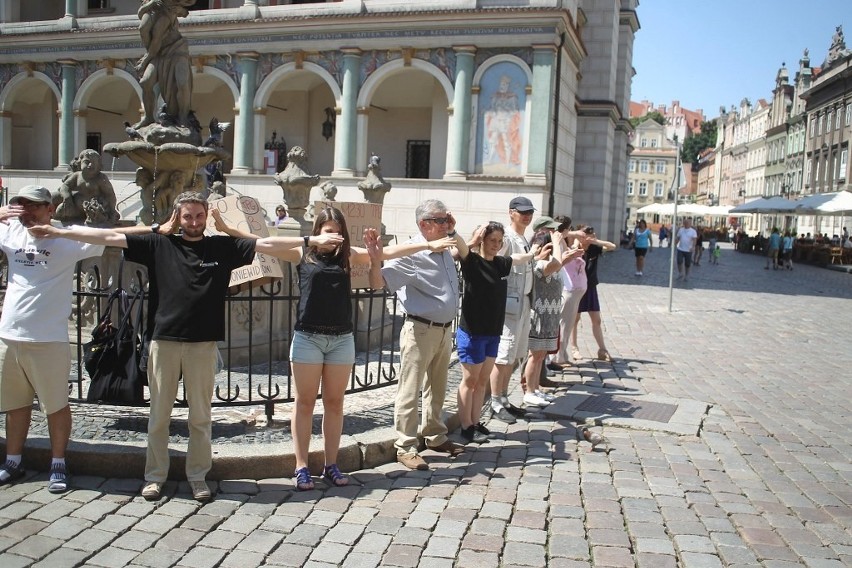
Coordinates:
[628,407]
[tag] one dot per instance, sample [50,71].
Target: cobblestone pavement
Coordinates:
[765,483]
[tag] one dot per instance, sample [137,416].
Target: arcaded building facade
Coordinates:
[469,101]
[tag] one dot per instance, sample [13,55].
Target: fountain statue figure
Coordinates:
[374,185]
[86,194]
[296,183]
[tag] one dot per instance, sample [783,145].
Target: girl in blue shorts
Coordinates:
[322,350]
[483,311]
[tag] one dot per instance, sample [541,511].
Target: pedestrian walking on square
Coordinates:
[35,356]
[685,244]
[774,249]
[641,242]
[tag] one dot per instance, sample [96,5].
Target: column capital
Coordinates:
[351,51]
[251,55]
[544,47]
[465,49]
[68,62]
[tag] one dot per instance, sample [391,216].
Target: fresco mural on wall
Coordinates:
[500,136]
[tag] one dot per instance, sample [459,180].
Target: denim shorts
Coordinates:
[318,348]
[473,349]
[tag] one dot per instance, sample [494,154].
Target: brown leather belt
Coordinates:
[430,323]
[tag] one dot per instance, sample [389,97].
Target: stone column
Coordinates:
[66,113]
[10,11]
[244,132]
[347,121]
[542,94]
[5,139]
[70,8]
[458,149]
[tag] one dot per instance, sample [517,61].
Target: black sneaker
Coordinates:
[514,410]
[10,472]
[482,429]
[470,434]
[58,482]
[503,415]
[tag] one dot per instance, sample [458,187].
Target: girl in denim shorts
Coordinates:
[322,350]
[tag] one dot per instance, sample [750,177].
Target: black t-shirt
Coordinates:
[591,256]
[484,300]
[188,281]
[325,304]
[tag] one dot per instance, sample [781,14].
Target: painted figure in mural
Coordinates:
[86,194]
[503,126]
[166,61]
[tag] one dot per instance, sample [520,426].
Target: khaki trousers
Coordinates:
[424,351]
[568,315]
[197,363]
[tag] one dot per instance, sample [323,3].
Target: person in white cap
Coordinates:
[35,357]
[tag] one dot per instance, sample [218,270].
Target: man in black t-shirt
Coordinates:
[188,279]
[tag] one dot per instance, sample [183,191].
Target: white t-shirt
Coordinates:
[38,298]
[685,238]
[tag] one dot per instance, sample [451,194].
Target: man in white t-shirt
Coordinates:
[35,358]
[686,237]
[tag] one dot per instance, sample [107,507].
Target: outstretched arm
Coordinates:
[105,237]
[361,255]
[525,257]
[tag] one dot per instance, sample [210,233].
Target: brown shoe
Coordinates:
[448,447]
[412,461]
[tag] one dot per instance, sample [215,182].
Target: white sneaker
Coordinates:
[640,273]
[531,399]
[637,273]
[546,396]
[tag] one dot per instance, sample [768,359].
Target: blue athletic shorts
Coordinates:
[319,348]
[473,349]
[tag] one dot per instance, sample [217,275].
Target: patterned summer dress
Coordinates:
[547,291]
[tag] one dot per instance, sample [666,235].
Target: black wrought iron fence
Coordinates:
[255,353]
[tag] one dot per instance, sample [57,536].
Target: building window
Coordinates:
[819,124]
[848,114]
[828,118]
[660,167]
[837,122]
[643,188]
[653,142]
[643,166]
[629,188]
[632,166]
[841,166]
[658,189]
[813,124]
[644,142]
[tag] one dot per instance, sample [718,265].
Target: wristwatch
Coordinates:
[155,228]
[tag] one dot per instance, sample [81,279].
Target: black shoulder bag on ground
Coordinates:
[112,356]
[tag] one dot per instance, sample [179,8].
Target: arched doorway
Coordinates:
[404,120]
[30,124]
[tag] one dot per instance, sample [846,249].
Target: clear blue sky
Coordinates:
[716,52]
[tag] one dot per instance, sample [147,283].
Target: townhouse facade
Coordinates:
[471,101]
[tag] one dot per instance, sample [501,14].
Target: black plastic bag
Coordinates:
[112,356]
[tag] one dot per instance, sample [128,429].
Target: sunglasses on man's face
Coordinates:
[438,220]
[524,213]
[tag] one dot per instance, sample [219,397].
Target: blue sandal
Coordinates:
[334,476]
[304,482]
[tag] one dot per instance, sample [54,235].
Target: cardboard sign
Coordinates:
[244,213]
[359,216]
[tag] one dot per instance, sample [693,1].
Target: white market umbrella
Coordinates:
[652,209]
[826,204]
[775,204]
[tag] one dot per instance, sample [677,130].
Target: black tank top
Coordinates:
[325,305]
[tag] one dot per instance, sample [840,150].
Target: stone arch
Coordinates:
[85,91]
[222,76]
[43,125]
[6,96]
[500,142]
[438,133]
[304,132]
[215,94]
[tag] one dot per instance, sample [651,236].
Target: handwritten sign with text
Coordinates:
[244,213]
[359,216]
